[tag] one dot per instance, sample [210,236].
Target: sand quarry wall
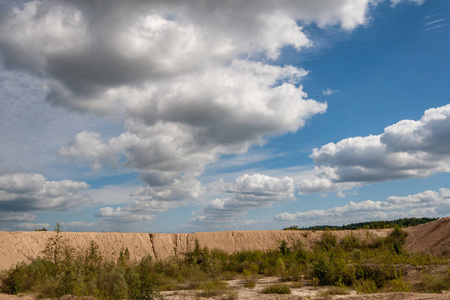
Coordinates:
[24,246]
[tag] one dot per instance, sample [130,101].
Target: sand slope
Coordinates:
[433,237]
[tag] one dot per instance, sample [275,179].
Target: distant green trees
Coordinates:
[404,222]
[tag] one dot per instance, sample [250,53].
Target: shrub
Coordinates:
[279,288]
[397,285]
[396,240]
[13,282]
[213,288]
[329,240]
[111,282]
[350,243]
[436,283]
[365,286]
[380,274]
[323,271]
[335,290]
[250,284]
[284,249]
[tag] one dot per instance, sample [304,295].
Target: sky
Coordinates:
[188,116]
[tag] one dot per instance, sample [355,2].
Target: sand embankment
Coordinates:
[24,246]
[433,237]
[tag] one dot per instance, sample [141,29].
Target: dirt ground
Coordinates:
[305,292]
[239,291]
[295,295]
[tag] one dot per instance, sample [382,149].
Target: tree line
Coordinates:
[402,223]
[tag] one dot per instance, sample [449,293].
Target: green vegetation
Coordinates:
[278,288]
[405,222]
[347,263]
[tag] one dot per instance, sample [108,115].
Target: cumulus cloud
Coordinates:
[182,127]
[149,200]
[183,76]
[16,217]
[122,215]
[249,192]
[28,226]
[21,192]
[85,52]
[429,203]
[407,149]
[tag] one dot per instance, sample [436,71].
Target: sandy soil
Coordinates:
[433,237]
[13,297]
[305,292]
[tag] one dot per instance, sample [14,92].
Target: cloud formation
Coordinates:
[183,127]
[429,203]
[407,149]
[85,52]
[176,72]
[249,192]
[21,192]
[191,81]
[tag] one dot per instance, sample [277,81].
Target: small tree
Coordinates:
[284,249]
[92,257]
[54,249]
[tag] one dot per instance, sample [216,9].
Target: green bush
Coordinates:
[365,286]
[213,288]
[335,290]
[329,240]
[278,288]
[397,285]
[323,271]
[13,281]
[350,243]
[435,283]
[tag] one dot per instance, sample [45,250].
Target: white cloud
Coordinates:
[428,203]
[151,199]
[407,149]
[32,192]
[16,217]
[112,194]
[249,192]
[182,127]
[29,226]
[418,2]
[328,92]
[79,226]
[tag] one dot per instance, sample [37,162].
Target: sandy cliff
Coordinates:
[15,247]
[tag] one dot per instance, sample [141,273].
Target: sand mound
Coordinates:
[15,247]
[433,237]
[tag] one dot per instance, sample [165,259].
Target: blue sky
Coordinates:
[188,117]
